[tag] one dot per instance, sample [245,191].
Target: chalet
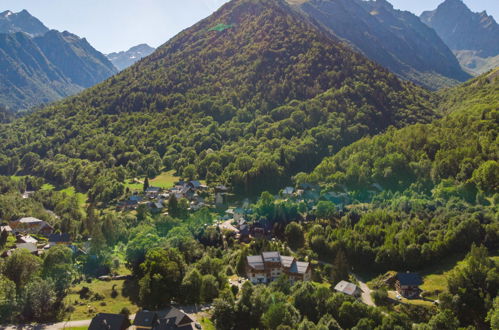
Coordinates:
[6,228]
[136,198]
[105,321]
[175,319]
[59,239]
[145,320]
[407,284]
[288,191]
[156,207]
[152,192]
[268,266]
[21,239]
[349,289]
[31,225]
[31,247]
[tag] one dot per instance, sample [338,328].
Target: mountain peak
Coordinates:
[461,29]
[22,21]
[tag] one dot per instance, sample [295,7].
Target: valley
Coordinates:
[270,167]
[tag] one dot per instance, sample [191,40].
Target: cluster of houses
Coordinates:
[23,229]
[157,198]
[406,284]
[268,266]
[170,319]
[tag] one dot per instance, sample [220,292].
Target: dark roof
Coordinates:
[145,319]
[195,184]
[104,321]
[59,238]
[411,279]
[175,319]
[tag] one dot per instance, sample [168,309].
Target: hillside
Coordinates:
[393,38]
[473,36]
[124,59]
[457,154]
[248,96]
[42,66]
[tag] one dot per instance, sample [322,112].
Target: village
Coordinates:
[232,217]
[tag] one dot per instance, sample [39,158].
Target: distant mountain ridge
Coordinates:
[124,59]
[474,37]
[21,22]
[393,38]
[39,66]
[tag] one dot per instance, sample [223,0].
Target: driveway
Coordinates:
[366,293]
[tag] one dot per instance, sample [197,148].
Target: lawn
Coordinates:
[165,180]
[207,324]
[87,307]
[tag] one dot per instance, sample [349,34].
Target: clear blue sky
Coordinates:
[114,25]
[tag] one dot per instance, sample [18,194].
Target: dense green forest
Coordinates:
[238,106]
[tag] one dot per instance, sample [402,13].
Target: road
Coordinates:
[366,293]
[189,310]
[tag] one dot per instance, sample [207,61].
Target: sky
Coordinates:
[116,25]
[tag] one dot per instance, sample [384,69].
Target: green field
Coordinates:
[165,180]
[207,324]
[87,308]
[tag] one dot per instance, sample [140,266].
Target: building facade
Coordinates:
[268,266]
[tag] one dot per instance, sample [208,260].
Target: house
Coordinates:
[288,191]
[145,320]
[407,284]
[348,289]
[25,239]
[31,225]
[6,228]
[175,319]
[59,239]
[105,321]
[136,198]
[152,192]
[268,266]
[156,207]
[31,247]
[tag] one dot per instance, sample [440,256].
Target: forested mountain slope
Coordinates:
[39,66]
[248,96]
[395,39]
[459,152]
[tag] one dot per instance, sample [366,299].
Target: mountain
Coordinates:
[393,38]
[75,57]
[123,60]
[248,97]
[28,77]
[21,22]
[39,66]
[464,31]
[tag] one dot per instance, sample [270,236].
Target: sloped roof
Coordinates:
[180,318]
[31,247]
[145,319]
[255,262]
[299,267]
[59,238]
[287,261]
[105,321]
[346,288]
[29,220]
[410,279]
[272,256]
